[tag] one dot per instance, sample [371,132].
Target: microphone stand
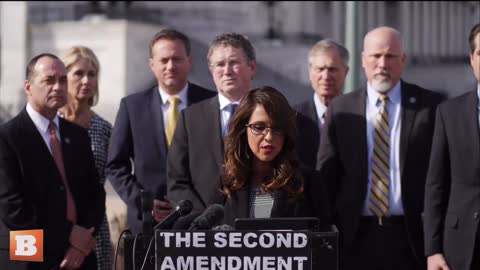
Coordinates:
[183,208]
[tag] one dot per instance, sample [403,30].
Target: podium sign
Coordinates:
[233,250]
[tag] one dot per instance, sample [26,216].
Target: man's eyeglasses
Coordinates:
[234,64]
[262,129]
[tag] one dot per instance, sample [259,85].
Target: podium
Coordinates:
[254,247]
[246,250]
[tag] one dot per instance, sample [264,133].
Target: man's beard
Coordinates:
[381,85]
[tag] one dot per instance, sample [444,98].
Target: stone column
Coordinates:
[405,26]
[14,54]
[338,21]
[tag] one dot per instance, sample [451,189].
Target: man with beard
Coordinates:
[374,153]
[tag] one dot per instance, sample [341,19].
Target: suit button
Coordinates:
[475,215]
[61,188]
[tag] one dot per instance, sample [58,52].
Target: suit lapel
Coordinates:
[410,99]
[68,152]
[213,127]
[472,136]
[312,111]
[192,94]
[359,107]
[157,115]
[240,203]
[281,207]
[35,144]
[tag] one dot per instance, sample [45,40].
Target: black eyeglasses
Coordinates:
[262,129]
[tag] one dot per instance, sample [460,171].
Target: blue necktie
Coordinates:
[231,108]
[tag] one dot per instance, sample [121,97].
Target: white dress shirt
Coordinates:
[41,123]
[182,96]
[225,113]
[321,109]
[373,106]
[478,94]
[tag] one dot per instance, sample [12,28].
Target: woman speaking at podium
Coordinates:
[262,177]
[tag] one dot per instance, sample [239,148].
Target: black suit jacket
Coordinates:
[196,156]
[343,159]
[32,194]
[138,136]
[452,198]
[314,202]
[308,134]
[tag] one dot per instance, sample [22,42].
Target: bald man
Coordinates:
[374,153]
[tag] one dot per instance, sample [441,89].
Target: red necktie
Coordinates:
[57,156]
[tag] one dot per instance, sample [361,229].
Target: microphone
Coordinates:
[184,222]
[211,217]
[223,227]
[146,199]
[183,208]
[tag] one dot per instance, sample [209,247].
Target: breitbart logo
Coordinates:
[26,245]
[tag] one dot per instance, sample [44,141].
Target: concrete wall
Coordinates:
[121,47]
[13,56]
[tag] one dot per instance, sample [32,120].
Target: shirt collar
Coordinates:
[182,95]
[40,121]
[319,106]
[224,102]
[478,93]
[394,95]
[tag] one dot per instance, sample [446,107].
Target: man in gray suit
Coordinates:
[196,155]
[452,192]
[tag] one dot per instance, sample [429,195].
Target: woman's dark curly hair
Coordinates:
[286,174]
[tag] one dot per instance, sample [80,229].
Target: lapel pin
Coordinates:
[67,140]
[412,100]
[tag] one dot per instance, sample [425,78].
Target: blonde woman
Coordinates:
[82,74]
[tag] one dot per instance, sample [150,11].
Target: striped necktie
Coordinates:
[172,117]
[380,182]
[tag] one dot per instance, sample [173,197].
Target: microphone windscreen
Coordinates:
[211,217]
[184,207]
[184,222]
[223,227]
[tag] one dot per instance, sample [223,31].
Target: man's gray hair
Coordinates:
[328,44]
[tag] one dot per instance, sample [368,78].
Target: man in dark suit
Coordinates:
[144,127]
[452,192]
[196,155]
[48,178]
[374,154]
[327,69]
